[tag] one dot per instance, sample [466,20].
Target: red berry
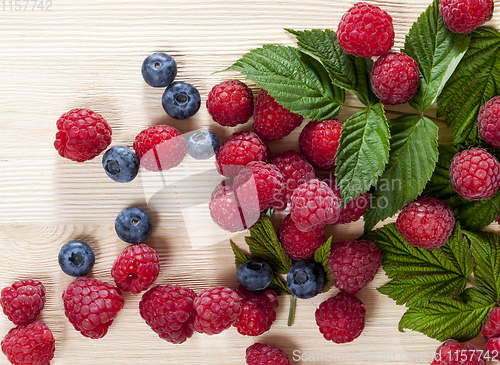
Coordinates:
[298,244]
[341,318]
[31,344]
[475,174]
[395,78]
[159,148]
[257,313]
[353,210]
[169,311]
[263,354]
[82,135]
[237,151]
[271,120]
[492,349]
[366,31]
[23,301]
[230,103]
[136,268]
[463,16]
[319,142]
[216,310]
[452,353]
[91,306]
[426,223]
[488,122]
[491,328]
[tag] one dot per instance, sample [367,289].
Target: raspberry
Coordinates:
[136,268]
[395,78]
[452,353]
[271,120]
[353,210]
[237,151]
[488,122]
[159,148]
[31,344]
[492,349]
[319,142]
[313,204]
[23,301]
[82,135]
[491,328]
[353,264]
[366,31]
[475,174]
[257,311]
[263,354]
[463,16]
[169,311]
[298,244]
[230,103]
[216,310]
[426,223]
[91,306]
[341,318]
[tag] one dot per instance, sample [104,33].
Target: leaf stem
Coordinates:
[291,313]
[473,284]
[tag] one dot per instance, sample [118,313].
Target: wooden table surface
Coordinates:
[89,54]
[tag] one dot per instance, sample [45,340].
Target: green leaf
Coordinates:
[363,152]
[297,81]
[475,81]
[449,319]
[347,72]
[279,286]
[321,257]
[437,51]
[239,256]
[412,159]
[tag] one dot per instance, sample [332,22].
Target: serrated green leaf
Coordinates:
[412,159]
[279,286]
[437,51]
[297,81]
[239,256]
[321,257]
[363,152]
[475,81]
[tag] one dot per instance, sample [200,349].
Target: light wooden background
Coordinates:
[88,54]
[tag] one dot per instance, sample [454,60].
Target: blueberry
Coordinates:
[159,69]
[133,225]
[121,164]
[181,100]
[202,145]
[254,275]
[76,258]
[305,279]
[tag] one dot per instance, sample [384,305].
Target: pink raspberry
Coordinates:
[263,354]
[230,103]
[271,120]
[452,353]
[341,318]
[23,301]
[491,328]
[319,142]
[492,349]
[353,264]
[257,313]
[313,204]
[488,122]
[298,244]
[463,16]
[475,174]
[395,78]
[366,31]
[426,223]
[353,210]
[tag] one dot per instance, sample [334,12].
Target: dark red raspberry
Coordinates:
[136,268]
[319,142]
[341,318]
[426,223]
[271,120]
[313,204]
[91,306]
[257,313]
[463,16]
[298,244]
[353,264]
[492,349]
[366,31]
[452,353]
[82,135]
[237,151]
[159,148]
[395,78]
[169,311]
[23,301]
[31,344]
[475,174]
[488,122]
[230,103]
[353,210]
[491,328]
[216,310]
[263,354]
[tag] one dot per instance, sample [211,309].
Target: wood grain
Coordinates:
[88,54]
